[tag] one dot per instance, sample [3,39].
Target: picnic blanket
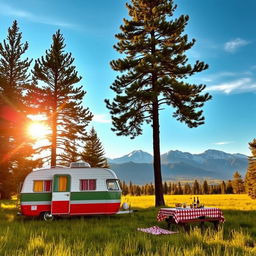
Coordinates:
[155,230]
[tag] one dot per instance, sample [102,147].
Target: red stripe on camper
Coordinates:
[60,207]
[75,209]
[83,209]
[34,210]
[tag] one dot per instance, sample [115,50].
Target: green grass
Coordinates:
[118,235]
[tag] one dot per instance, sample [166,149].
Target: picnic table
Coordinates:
[184,216]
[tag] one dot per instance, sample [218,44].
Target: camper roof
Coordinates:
[72,165]
[49,167]
[80,165]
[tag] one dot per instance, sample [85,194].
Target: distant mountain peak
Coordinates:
[136,152]
[214,151]
[215,154]
[136,156]
[137,165]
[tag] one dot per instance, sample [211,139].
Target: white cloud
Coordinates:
[101,118]
[233,45]
[217,76]
[221,143]
[239,85]
[18,13]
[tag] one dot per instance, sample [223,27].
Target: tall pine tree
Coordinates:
[154,68]
[250,178]
[15,147]
[93,152]
[58,97]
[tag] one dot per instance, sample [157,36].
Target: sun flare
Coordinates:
[38,130]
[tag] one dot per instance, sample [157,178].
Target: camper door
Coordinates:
[61,194]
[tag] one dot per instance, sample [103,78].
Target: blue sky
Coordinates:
[225,39]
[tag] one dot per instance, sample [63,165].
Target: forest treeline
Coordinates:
[235,186]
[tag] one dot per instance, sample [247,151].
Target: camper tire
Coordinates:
[47,216]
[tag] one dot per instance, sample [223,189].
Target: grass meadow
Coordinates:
[118,235]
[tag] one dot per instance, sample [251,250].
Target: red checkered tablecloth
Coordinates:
[180,214]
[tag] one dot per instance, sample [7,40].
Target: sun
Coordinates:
[38,130]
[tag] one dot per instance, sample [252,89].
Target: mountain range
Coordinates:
[177,165]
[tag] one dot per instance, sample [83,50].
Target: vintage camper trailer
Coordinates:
[78,190]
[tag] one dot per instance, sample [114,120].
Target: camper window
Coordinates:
[87,185]
[42,185]
[112,185]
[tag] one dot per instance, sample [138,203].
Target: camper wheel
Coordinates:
[47,216]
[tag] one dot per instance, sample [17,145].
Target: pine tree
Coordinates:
[13,68]
[93,151]
[237,183]
[59,98]
[131,190]
[125,189]
[154,68]
[151,189]
[180,190]
[250,180]
[174,189]
[223,187]
[169,188]
[165,188]
[143,190]
[137,190]
[15,147]
[216,189]
[195,188]
[229,188]
[146,189]
[205,188]
[187,189]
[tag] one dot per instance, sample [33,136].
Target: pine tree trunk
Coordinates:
[54,129]
[53,146]
[159,198]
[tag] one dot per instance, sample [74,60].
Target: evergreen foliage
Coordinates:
[180,190]
[165,188]
[15,146]
[131,188]
[70,153]
[229,189]
[205,187]
[187,189]
[195,188]
[174,189]
[223,187]
[93,151]
[154,70]
[59,99]
[250,179]
[125,189]
[237,183]
[13,67]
